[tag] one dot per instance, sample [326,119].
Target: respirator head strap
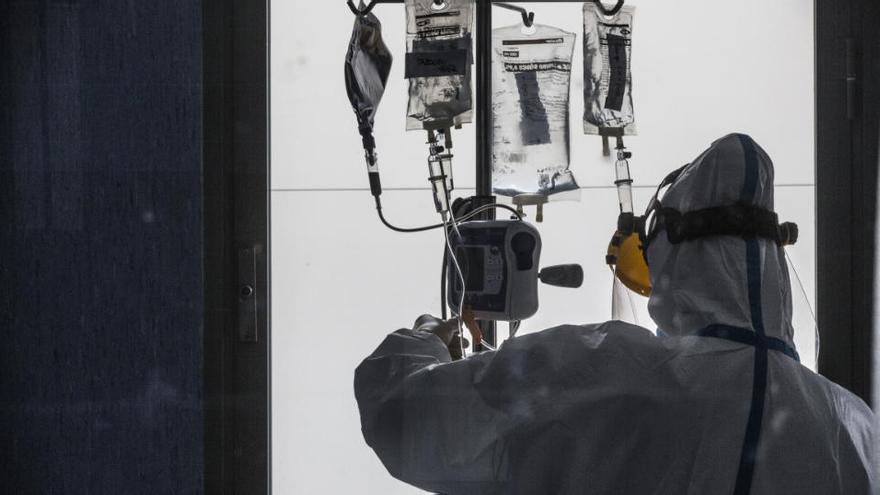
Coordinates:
[740,220]
[670,178]
[641,224]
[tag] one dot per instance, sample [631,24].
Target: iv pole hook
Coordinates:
[357,11]
[528,18]
[614,10]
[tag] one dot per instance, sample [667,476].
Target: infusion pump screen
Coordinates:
[473,265]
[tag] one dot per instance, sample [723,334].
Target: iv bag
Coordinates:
[607,70]
[438,63]
[367,65]
[531,77]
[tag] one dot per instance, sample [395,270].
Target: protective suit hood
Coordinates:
[723,280]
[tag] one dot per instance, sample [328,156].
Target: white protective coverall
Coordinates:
[611,409]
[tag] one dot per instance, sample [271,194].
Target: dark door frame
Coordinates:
[847,103]
[236,190]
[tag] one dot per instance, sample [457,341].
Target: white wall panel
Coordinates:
[340,283]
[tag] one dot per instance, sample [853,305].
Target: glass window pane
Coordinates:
[341,281]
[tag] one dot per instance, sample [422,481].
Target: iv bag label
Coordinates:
[438,32]
[424,20]
[556,65]
[432,64]
[544,41]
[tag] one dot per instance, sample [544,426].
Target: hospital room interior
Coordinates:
[440,246]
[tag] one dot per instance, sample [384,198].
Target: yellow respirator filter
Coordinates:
[630,267]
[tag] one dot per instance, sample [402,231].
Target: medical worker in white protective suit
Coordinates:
[718,405]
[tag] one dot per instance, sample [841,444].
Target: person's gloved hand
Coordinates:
[447,331]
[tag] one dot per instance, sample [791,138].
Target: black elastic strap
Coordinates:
[740,220]
[639,223]
[667,181]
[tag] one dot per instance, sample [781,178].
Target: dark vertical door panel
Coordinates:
[101,298]
[833,190]
[869,102]
[236,213]
[848,99]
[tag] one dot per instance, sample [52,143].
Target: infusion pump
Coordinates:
[499,261]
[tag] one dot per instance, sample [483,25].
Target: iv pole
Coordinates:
[483,105]
[484,131]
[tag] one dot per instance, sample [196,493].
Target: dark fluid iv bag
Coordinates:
[367,65]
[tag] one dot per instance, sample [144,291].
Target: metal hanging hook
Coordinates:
[369,8]
[528,18]
[614,10]
[357,11]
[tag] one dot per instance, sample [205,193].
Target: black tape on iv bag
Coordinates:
[436,58]
[534,125]
[617,64]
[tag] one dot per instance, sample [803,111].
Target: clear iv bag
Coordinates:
[531,77]
[607,70]
[438,63]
